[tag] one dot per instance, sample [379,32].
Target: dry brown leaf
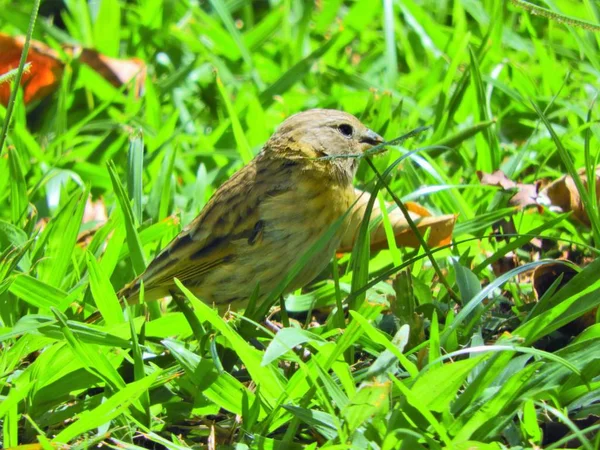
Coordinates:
[441,226]
[498,178]
[563,193]
[525,194]
[117,71]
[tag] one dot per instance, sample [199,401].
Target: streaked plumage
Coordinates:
[259,222]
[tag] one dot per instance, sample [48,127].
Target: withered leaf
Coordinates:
[524,194]
[563,194]
[441,226]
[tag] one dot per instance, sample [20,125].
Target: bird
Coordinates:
[258,223]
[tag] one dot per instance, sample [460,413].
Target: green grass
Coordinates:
[438,350]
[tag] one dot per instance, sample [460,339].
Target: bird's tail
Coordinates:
[130,293]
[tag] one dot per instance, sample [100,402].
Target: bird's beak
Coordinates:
[372,138]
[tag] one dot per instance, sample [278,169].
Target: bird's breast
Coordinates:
[297,219]
[310,206]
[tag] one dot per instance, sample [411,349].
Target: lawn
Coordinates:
[133,113]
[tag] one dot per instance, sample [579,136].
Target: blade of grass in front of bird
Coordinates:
[299,265]
[136,251]
[379,148]
[195,324]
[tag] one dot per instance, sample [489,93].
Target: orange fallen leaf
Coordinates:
[46,68]
[441,226]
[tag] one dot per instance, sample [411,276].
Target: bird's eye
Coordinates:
[346,130]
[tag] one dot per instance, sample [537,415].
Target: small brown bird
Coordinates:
[267,215]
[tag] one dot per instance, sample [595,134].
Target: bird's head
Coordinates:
[319,133]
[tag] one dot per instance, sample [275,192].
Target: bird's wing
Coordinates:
[231,215]
[206,242]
